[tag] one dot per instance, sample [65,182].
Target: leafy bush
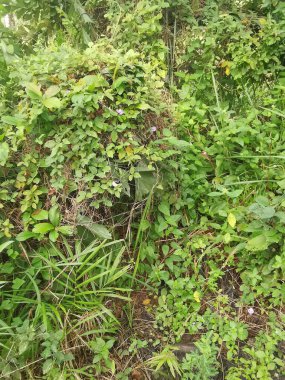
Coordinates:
[202,363]
[85,125]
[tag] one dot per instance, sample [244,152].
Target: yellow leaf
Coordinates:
[224,63]
[7,233]
[232,220]
[20,185]
[196,296]
[262,21]
[228,71]
[146,301]
[129,150]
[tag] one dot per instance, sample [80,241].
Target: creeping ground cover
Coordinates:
[142,190]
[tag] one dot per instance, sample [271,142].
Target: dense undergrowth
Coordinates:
[142,196]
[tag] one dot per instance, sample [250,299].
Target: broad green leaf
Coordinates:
[53,236]
[114,136]
[119,81]
[54,215]
[66,230]
[262,212]
[17,283]
[144,225]
[227,238]
[165,249]
[232,220]
[33,90]
[143,106]
[181,144]
[235,193]
[4,153]
[51,91]
[242,333]
[164,208]
[281,184]
[25,235]
[258,243]
[5,245]
[281,216]
[40,215]
[215,194]
[23,347]
[47,366]
[52,103]
[42,228]
[144,184]
[95,228]
[94,81]
[12,120]
[167,132]
[173,219]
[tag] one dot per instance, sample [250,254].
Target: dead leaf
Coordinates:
[137,375]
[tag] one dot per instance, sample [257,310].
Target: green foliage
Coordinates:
[261,360]
[42,19]
[142,189]
[166,358]
[177,305]
[57,285]
[101,351]
[201,364]
[99,97]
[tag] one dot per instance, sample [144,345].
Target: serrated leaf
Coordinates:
[52,103]
[66,230]
[232,220]
[235,193]
[42,228]
[262,212]
[164,208]
[258,243]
